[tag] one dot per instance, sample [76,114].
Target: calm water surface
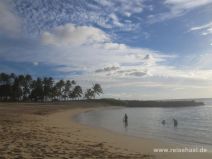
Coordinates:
[194,123]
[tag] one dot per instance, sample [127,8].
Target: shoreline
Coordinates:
[98,134]
[165,142]
[132,143]
[35,131]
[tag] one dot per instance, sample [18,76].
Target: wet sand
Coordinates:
[49,131]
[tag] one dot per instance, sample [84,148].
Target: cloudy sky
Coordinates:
[139,49]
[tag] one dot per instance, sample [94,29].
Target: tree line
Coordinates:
[24,88]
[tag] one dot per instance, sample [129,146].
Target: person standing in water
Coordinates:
[125,118]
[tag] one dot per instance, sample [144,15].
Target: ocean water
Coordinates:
[194,123]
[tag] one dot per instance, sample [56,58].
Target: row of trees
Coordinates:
[24,88]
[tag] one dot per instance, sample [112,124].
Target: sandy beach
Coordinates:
[49,131]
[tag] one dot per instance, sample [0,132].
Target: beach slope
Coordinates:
[49,131]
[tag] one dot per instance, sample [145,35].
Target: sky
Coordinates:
[139,49]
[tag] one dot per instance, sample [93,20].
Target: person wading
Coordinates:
[125,118]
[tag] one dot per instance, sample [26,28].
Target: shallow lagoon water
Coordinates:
[194,123]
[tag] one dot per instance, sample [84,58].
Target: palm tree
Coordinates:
[26,86]
[17,88]
[47,87]
[60,88]
[89,94]
[77,92]
[73,82]
[23,87]
[67,89]
[4,78]
[5,86]
[37,93]
[97,89]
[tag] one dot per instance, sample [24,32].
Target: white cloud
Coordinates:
[73,35]
[138,73]
[9,22]
[108,69]
[167,71]
[126,8]
[115,14]
[91,51]
[115,20]
[150,60]
[178,8]
[206,26]
[204,29]
[95,57]
[108,14]
[112,46]
[187,4]
[35,63]
[165,16]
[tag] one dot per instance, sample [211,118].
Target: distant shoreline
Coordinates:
[150,103]
[179,103]
[128,103]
